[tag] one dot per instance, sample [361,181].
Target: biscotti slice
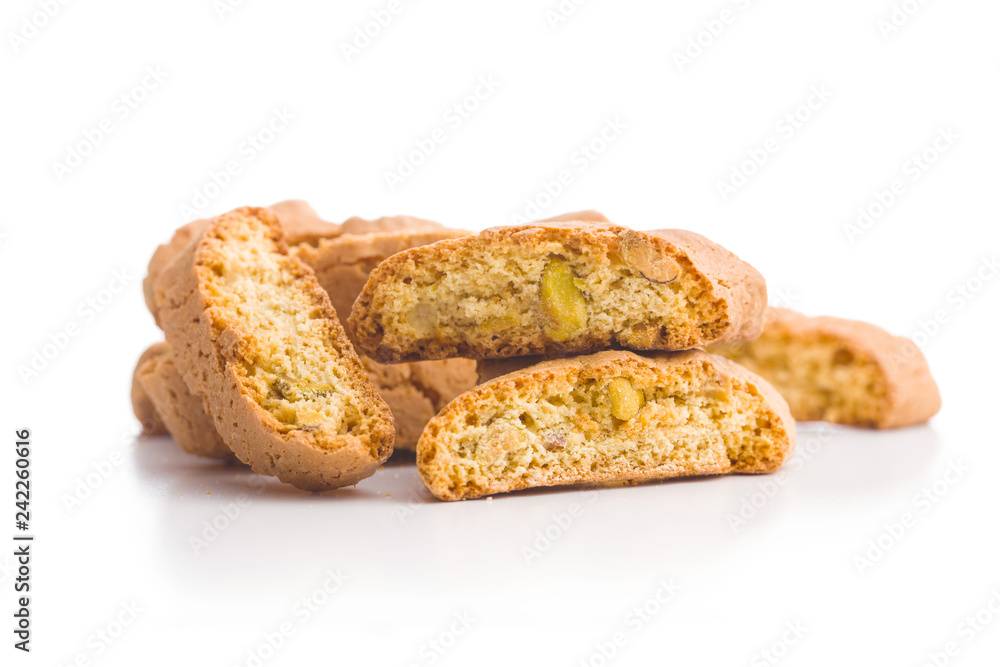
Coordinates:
[840,371]
[556,288]
[252,331]
[301,223]
[182,412]
[606,417]
[414,392]
[142,406]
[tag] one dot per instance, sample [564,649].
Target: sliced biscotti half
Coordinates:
[414,392]
[182,412]
[142,406]
[556,288]
[252,331]
[841,371]
[301,223]
[606,417]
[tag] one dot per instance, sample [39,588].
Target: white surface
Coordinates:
[410,572]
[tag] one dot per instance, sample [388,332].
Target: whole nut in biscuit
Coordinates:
[626,399]
[499,323]
[564,307]
[293,391]
[638,251]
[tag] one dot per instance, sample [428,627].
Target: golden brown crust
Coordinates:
[579,216]
[442,446]
[414,392]
[387,224]
[210,352]
[182,412]
[740,286]
[911,394]
[162,256]
[301,223]
[142,406]
[733,287]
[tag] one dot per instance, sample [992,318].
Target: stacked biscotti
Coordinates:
[586,337]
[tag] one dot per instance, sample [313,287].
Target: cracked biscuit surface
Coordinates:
[608,417]
[556,287]
[251,329]
[841,371]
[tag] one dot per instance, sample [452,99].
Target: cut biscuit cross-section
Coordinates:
[611,416]
[252,331]
[302,226]
[841,371]
[556,287]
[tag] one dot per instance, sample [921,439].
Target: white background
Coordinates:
[412,563]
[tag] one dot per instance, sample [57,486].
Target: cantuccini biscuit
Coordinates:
[840,371]
[182,412]
[342,262]
[606,417]
[301,223]
[252,331]
[142,406]
[556,288]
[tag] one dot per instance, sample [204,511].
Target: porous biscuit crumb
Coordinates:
[556,287]
[840,371]
[302,225]
[606,417]
[252,330]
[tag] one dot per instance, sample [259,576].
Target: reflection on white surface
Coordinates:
[264,554]
[209,516]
